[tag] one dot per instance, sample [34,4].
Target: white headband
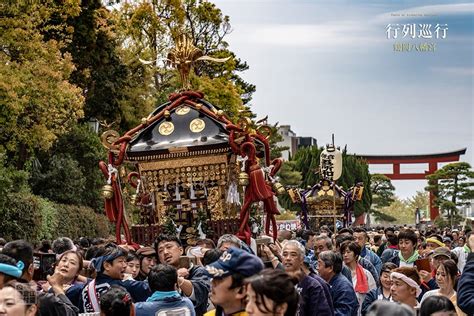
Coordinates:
[407,280]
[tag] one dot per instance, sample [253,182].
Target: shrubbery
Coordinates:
[26,216]
[70,173]
[76,221]
[21,217]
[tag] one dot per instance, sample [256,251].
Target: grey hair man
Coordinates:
[315,294]
[322,243]
[343,294]
[226,241]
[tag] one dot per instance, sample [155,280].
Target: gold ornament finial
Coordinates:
[184,56]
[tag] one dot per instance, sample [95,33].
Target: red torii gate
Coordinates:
[431,159]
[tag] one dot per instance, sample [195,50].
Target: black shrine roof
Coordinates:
[150,141]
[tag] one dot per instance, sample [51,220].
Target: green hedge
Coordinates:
[76,221]
[26,216]
[21,217]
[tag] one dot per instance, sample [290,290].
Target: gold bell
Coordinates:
[243,179]
[278,188]
[107,191]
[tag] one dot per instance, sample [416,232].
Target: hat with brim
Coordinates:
[442,251]
[146,252]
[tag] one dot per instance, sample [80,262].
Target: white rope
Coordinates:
[268,169]
[242,160]
[233,194]
[138,186]
[111,171]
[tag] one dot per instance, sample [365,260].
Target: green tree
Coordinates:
[38,102]
[69,174]
[100,72]
[383,194]
[289,177]
[453,187]
[400,210]
[421,201]
[356,170]
[11,180]
[61,181]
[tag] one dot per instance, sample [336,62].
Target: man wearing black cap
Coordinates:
[228,273]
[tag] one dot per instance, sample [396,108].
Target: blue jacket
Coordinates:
[373,258]
[347,273]
[465,293]
[344,297]
[139,291]
[371,297]
[168,303]
[367,265]
[201,287]
[313,300]
[390,255]
[326,288]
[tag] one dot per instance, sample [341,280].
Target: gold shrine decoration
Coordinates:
[216,203]
[184,162]
[182,110]
[197,125]
[187,170]
[185,55]
[166,128]
[157,179]
[108,138]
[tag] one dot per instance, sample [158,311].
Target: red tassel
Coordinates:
[109,210]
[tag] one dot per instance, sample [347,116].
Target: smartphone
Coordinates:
[423,264]
[43,263]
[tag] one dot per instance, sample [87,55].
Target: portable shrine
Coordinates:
[326,202]
[194,167]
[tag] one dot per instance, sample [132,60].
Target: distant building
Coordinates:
[307,142]
[292,141]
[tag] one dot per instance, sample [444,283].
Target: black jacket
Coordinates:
[52,305]
[465,293]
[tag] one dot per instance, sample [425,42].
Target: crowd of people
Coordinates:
[356,271]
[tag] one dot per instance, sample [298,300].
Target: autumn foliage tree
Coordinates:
[39,103]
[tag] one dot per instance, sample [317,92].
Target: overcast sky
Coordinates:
[328,67]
